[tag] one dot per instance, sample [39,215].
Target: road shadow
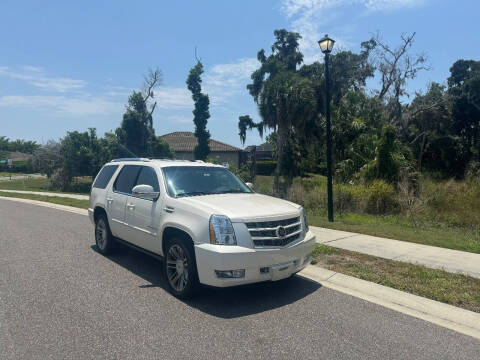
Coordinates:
[224,303]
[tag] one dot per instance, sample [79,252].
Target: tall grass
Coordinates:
[452,203]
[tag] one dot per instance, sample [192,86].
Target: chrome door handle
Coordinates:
[130,206]
[169,209]
[109,200]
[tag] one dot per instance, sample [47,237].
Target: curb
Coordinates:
[47,204]
[45,193]
[448,316]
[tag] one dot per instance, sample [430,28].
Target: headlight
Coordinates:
[304,216]
[221,231]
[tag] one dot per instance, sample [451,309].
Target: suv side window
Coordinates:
[148,176]
[126,179]
[104,176]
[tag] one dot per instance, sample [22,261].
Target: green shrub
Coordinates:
[23,167]
[381,198]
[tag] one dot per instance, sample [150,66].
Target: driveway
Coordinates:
[59,298]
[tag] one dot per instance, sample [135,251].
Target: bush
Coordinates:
[265,168]
[60,180]
[454,202]
[23,167]
[243,172]
[473,172]
[381,198]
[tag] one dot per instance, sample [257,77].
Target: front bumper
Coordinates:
[281,262]
[90,215]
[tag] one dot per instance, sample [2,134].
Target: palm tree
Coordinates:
[285,99]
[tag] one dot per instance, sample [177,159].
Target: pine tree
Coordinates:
[200,113]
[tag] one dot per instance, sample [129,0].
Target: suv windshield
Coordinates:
[202,180]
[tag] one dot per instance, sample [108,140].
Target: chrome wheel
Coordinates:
[101,234]
[177,268]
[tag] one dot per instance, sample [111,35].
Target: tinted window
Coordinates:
[126,179]
[104,176]
[148,176]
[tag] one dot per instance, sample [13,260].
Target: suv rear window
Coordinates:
[126,179]
[104,176]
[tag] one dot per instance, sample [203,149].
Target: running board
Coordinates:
[138,248]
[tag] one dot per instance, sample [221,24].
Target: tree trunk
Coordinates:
[422,149]
[278,169]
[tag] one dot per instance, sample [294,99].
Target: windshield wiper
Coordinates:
[230,192]
[194,193]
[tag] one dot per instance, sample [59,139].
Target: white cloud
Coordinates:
[173,98]
[294,7]
[225,80]
[61,105]
[308,17]
[37,77]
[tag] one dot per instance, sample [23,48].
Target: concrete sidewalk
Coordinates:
[22,176]
[71,196]
[430,256]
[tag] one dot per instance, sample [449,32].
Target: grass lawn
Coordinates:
[454,289]
[5,174]
[394,227]
[35,184]
[451,219]
[83,204]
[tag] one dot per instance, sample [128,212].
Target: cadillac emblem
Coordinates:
[281,232]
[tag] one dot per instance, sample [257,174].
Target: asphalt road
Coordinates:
[59,298]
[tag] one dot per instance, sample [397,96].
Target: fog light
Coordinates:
[229,274]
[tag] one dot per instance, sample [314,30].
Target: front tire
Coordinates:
[181,269]
[103,236]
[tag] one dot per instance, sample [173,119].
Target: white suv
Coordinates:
[205,224]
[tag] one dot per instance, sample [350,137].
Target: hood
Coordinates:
[242,207]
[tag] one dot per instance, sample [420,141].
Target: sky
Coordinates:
[71,65]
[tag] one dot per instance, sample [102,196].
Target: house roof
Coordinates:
[259,148]
[19,156]
[185,141]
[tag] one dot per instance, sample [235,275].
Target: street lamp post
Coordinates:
[326,45]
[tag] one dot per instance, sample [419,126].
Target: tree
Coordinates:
[284,98]
[19,145]
[464,90]
[46,159]
[136,135]
[200,113]
[349,74]
[396,66]
[135,129]
[385,165]
[429,121]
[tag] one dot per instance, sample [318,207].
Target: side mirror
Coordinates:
[145,192]
[250,185]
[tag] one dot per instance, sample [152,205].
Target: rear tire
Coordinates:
[181,269]
[103,236]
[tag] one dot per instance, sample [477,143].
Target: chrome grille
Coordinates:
[265,233]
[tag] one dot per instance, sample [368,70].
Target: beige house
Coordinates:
[184,142]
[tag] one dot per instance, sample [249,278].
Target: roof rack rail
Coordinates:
[130,159]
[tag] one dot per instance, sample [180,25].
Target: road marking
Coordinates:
[448,316]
